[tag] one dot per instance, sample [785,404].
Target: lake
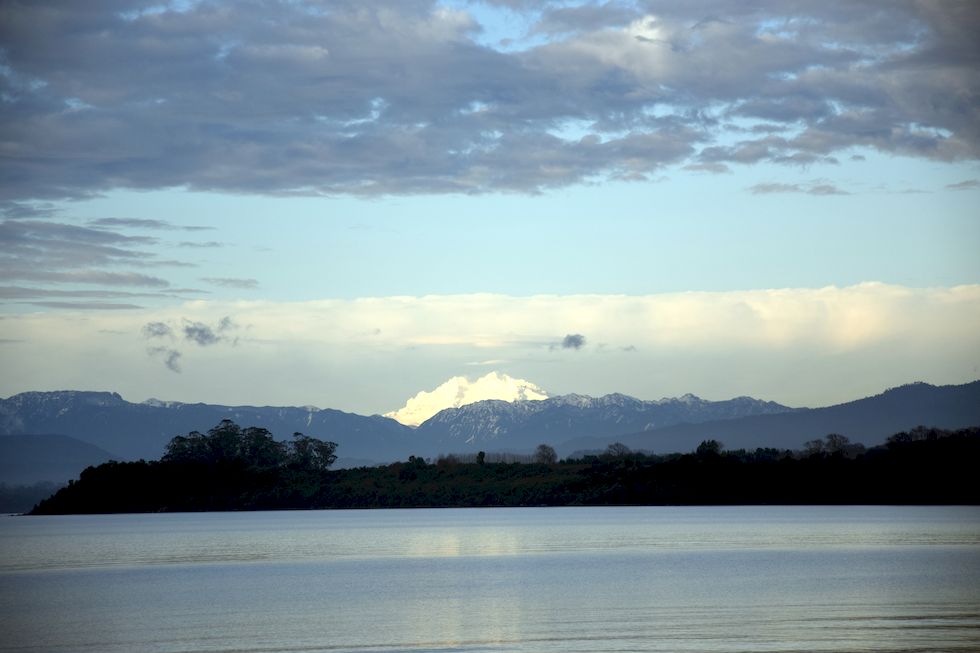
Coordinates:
[710,579]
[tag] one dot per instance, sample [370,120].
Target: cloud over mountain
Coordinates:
[460,391]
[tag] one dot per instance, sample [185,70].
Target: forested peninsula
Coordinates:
[234,468]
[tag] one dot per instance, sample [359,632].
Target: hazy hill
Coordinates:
[142,430]
[869,421]
[27,459]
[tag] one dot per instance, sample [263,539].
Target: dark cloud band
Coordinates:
[400,97]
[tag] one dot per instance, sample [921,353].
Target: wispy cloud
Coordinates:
[825,189]
[88,276]
[142,223]
[86,306]
[809,189]
[14,210]
[157,330]
[171,357]
[49,257]
[968,184]
[21,292]
[58,253]
[202,245]
[232,282]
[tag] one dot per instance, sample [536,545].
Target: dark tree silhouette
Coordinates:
[923,466]
[253,447]
[262,450]
[709,448]
[545,455]
[311,454]
[812,448]
[835,442]
[618,450]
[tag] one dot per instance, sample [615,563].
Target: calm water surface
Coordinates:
[541,580]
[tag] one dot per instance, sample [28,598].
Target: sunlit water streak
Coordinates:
[710,579]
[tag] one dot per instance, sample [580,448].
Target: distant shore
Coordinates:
[925,466]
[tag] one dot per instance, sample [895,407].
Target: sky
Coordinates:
[343,204]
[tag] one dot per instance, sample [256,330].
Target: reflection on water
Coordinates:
[590,579]
[121,540]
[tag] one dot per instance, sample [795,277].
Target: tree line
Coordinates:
[233,468]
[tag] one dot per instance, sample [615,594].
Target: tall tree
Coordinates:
[545,455]
[311,454]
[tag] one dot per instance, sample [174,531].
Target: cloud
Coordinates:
[584,18]
[88,276]
[231,282]
[826,189]
[573,341]
[60,245]
[141,223]
[171,357]
[89,306]
[201,334]
[157,330]
[968,184]
[207,244]
[16,209]
[716,168]
[299,100]
[194,331]
[172,360]
[21,292]
[49,252]
[206,335]
[190,291]
[49,257]
[809,189]
[137,223]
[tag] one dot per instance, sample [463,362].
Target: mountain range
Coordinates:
[525,424]
[869,421]
[104,424]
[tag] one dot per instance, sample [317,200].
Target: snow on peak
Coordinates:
[460,391]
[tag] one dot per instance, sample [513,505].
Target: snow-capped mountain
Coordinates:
[460,391]
[522,424]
